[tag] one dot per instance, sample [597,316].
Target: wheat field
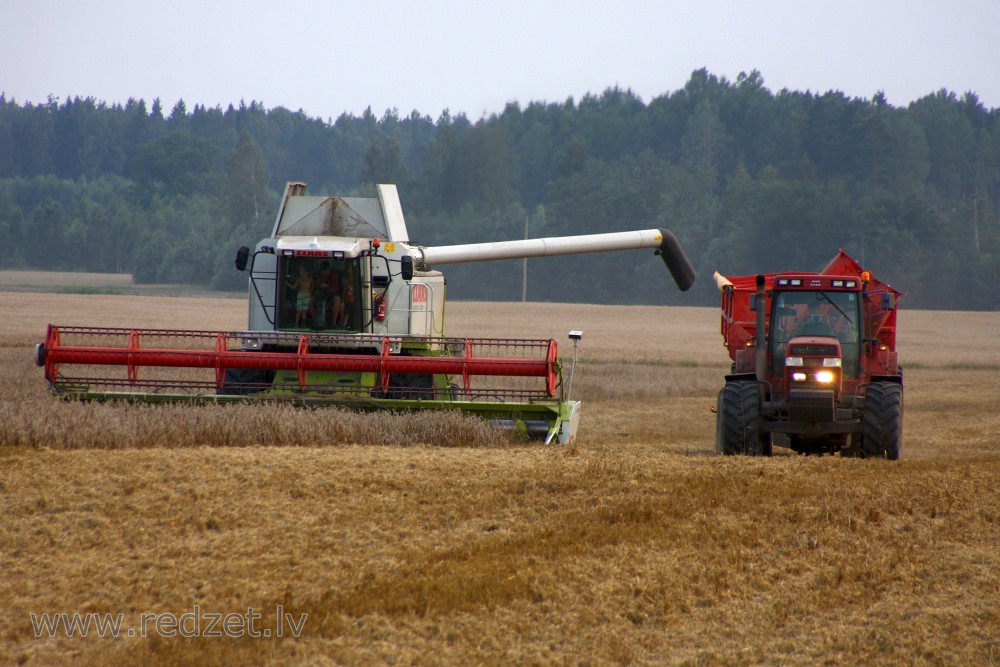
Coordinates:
[433,539]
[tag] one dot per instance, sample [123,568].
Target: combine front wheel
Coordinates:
[737,429]
[245,381]
[882,422]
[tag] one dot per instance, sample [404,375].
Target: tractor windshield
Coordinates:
[318,294]
[802,313]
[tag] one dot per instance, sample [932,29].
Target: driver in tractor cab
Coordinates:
[834,322]
[815,323]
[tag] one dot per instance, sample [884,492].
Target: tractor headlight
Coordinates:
[833,362]
[799,376]
[825,377]
[793,361]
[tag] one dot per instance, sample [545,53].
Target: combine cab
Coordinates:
[814,366]
[345,310]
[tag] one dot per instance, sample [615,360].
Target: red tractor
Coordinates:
[815,367]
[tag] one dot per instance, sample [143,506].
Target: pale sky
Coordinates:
[331,57]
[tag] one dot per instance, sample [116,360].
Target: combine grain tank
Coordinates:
[345,310]
[814,367]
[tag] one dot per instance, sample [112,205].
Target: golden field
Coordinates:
[435,540]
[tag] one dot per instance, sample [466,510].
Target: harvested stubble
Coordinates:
[637,545]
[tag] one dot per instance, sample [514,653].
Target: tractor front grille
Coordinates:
[806,405]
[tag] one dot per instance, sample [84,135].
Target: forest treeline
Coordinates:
[748,179]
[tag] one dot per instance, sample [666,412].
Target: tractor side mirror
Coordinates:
[242,255]
[407,267]
[888,301]
[753,302]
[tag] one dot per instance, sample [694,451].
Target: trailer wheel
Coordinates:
[737,428]
[882,421]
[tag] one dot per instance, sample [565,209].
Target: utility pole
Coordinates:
[524,267]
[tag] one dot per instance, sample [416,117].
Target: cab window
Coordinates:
[318,294]
[804,313]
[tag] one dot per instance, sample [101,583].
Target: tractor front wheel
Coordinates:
[882,421]
[738,421]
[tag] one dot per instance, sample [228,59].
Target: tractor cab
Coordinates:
[815,328]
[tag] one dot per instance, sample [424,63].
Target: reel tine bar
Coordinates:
[538,358]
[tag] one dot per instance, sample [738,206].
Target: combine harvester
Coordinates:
[345,310]
[815,367]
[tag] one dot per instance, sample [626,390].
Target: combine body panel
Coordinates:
[815,366]
[343,309]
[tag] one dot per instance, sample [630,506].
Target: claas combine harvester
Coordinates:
[815,367]
[345,310]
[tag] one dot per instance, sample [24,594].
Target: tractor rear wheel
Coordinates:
[738,421]
[882,421]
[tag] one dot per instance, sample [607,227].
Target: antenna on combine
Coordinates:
[575,336]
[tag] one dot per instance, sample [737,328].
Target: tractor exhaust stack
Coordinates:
[761,340]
